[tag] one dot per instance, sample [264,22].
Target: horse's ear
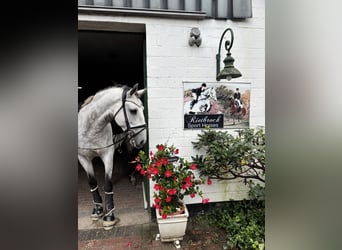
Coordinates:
[134,89]
[140,93]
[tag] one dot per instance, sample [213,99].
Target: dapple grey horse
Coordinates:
[118,105]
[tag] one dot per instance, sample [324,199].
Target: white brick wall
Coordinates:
[170,60]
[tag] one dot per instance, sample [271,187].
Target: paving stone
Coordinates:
[136,228]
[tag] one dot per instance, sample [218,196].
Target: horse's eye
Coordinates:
[133,111]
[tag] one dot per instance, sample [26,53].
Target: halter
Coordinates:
[129,129]
[129,133]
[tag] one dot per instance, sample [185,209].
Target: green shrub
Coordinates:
[228,157]
[242,221]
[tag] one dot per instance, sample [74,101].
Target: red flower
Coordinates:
[172,191]
[138,167]
[155,171]
[168,173]
[205,201]
[170,182]
[164,161]
[188,181]
[156,186]
[168,199]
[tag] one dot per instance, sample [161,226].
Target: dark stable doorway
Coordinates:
[105,58]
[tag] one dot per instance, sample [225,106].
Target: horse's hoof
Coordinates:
[97,213]
[109,221]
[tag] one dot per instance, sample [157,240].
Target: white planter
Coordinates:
[173,227]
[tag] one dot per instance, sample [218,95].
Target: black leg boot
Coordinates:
[109,218]
[98,209]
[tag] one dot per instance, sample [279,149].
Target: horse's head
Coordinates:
[132,119]
[209,92]
[213,93]
[231,101]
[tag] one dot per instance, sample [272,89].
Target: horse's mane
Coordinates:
[99,92]
[112,87]
[87,101]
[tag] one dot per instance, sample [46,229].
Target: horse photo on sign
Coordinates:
[216,104]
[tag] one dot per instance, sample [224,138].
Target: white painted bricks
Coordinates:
[170,60]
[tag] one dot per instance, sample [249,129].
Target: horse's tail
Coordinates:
[87,101]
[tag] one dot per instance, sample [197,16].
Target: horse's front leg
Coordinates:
[109,217]
[94,189]
[233,117]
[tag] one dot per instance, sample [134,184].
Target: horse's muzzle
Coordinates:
[134,143]
[134,139]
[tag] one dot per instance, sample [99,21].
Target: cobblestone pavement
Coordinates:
[198,236]
[136,228]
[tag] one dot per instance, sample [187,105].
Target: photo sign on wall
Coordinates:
[216,104]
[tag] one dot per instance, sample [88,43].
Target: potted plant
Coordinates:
[173,179]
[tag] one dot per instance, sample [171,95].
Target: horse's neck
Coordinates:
[207,93]
[204,94]
[102,109]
